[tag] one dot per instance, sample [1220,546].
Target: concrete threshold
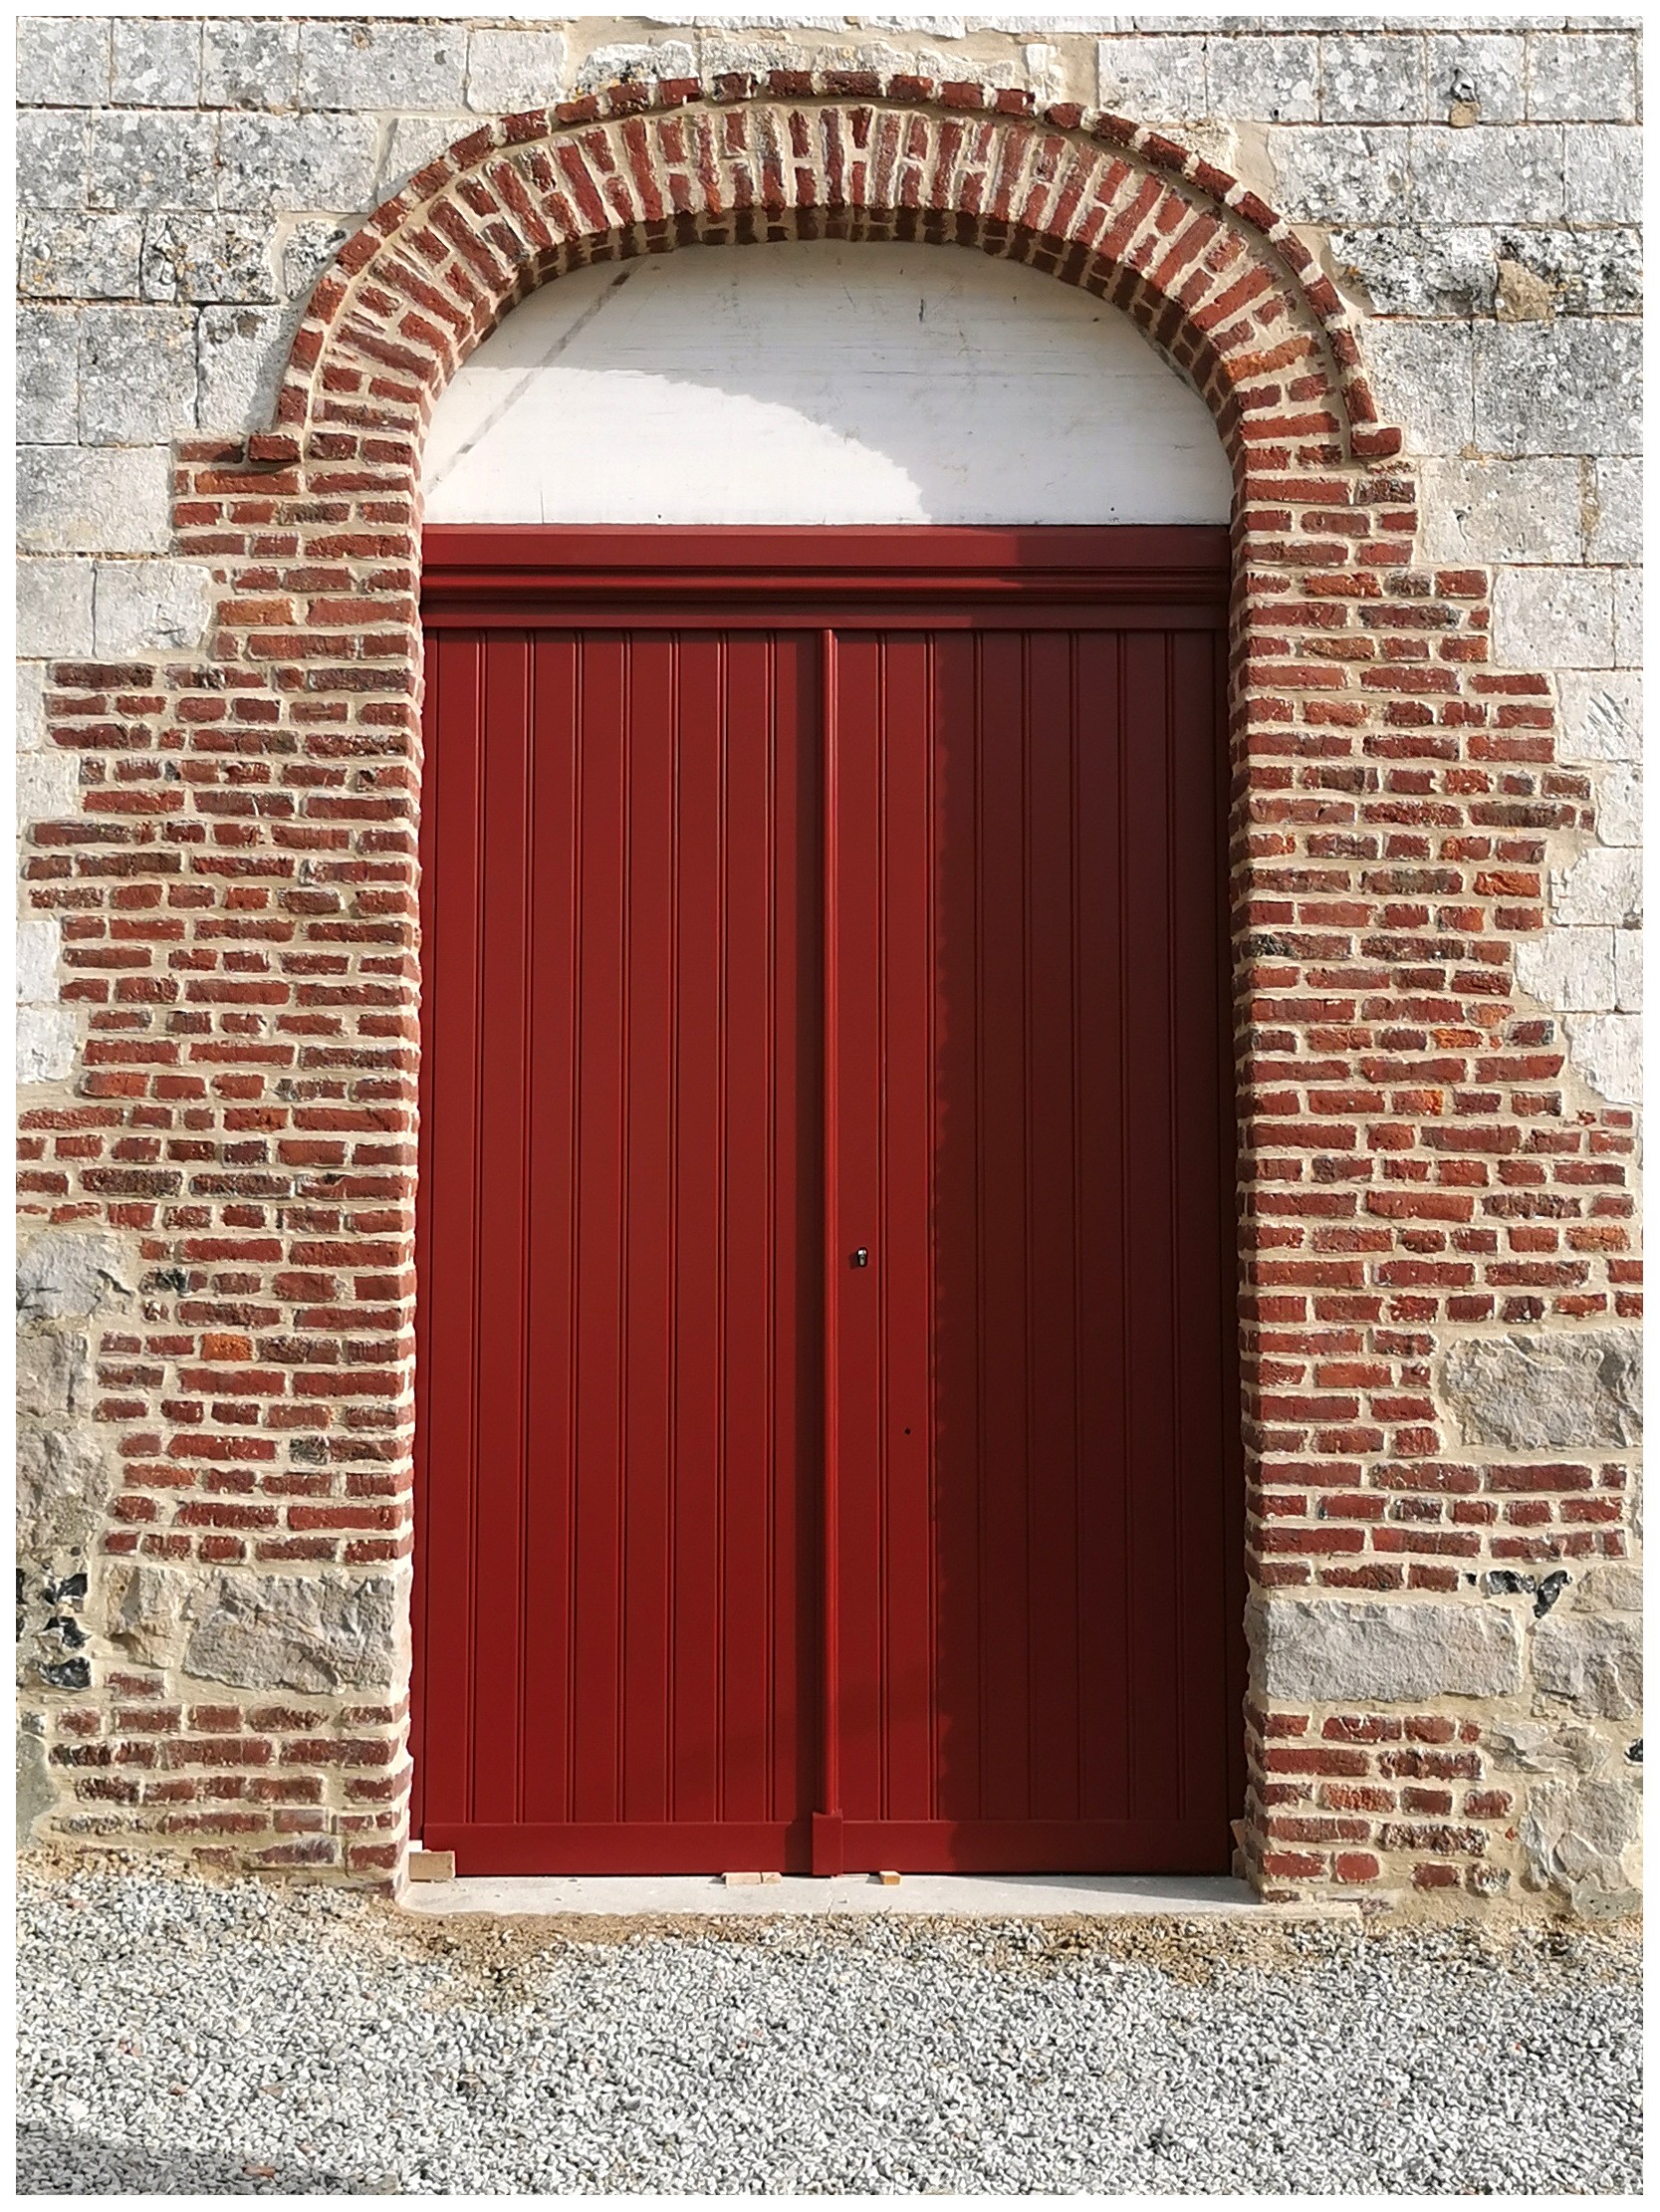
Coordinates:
[948,1896]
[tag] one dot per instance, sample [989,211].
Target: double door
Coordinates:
[826,1421]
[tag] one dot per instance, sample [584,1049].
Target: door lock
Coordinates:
[860,1258]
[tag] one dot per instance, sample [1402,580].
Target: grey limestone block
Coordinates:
[70,255]
[1373,80]
[150,606]
[1421,374]
[1576,1391]
[138,161]
[1603,173]
[219,259]
[1568,386]
[1511,175]
[1594,1660]
[307,163]
[1561,618]
[1408,269]
[64,1481]
[1583,76]
[95,499]
[1608,1049]
[250,63]
[54,609]
[138,374]
[1615,510]
[156,62]
[382,66]
[1333,1651]
[1576,1835]
[62,60]
[511,70]
[52,158]
[1587,272]
[1323,176]
[1570,969]
[412,141]
[1489,67]
[67,1274]
[53,1371]
[1151,79]
[47,341]
[1603,885]
[240,366]
[666,59]
[1264,80]
[292,1631]
[1482,512]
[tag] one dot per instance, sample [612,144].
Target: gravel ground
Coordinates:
[182,2036]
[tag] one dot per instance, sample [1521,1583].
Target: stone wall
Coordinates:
[215,1614]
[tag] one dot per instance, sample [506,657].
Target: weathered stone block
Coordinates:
[68,1274]
[1557,618]
[508,71]
[1628,971]
[1486,512]
[292,1631]
[94,499]
[30,726]
[1405,269]
[1587,272]
[1627,586]
[666,59]
[53,607]
[1605,885]
[148,1611]
[1511,175]
[1329,1650]
[1614,1587]
[412,142]
[53,1371]
[46,375]
[1601,717]
[1614,511]
[1151,79]
[63,1486]
[38,940]
[156,62]
[36,1795]
[46,1039]
[239,365]
[250,64]
[47,783]
[1577,1389]
[52,158]
[1568,386]
[1264,80]
[1325,175]
[1485,68]
[143,607]
[220,258]
[1581,75]
[63,61]
[1422,376]
[138,374]
[1608,1049]
[381,65]
[1619,806]
[1541,1747]
[1570,969]
[1603,168]
[138,161]
[1368,78]
[1576,1835]
[308,164]
[80,257]
[308,245]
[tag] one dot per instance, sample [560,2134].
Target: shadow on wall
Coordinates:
[820,383]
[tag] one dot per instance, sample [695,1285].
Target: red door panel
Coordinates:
[787,903]
[1029,1374]
[620,1249]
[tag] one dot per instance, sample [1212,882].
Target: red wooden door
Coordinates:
[826,1445]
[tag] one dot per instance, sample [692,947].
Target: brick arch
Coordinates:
[1416,1165]
[1216,279]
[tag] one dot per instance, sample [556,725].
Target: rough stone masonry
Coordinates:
[1425,227]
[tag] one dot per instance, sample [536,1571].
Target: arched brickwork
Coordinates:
[1415,1162]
